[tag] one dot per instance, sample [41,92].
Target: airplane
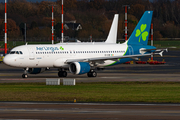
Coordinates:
[82,58]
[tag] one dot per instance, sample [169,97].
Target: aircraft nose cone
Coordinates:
[7,60]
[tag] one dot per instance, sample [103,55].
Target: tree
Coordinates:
[34,25]
[58,28]
[157,35]
[96,4]
[94,15]
[1,28]
[69,5]
[13,29]
[21,26]
[82,5]
[137,10]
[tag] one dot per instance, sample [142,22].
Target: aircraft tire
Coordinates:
[24,75]
[94,74]
[89,74]
[60,73]
[64,74]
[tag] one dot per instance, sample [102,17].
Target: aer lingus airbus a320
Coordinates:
[82,58]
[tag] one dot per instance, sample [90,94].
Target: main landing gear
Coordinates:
[25,73]
[92,73]
[62,73]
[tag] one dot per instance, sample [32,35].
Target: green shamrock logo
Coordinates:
[142,33]
[61,48]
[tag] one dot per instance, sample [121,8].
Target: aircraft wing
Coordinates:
[115,58]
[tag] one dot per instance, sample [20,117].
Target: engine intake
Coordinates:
[79,68]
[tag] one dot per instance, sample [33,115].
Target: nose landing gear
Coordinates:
[25,73]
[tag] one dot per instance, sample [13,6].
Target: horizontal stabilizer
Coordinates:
[155,50]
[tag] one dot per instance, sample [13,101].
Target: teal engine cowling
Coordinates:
[79,68]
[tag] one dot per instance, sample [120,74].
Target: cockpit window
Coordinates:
[16,52]
[20,52]
[12,52]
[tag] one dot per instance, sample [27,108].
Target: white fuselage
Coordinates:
[38,56]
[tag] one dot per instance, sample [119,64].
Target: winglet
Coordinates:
[112,37]
[166,50]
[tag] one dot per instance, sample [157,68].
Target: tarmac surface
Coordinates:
[169,72]
[82,111]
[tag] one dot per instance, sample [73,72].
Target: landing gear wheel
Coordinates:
[24,75]
[92,74]
[62,74]
[89,74]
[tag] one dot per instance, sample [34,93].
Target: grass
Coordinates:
[166,44]
[93,92]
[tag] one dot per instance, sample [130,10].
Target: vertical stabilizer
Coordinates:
[112,37]
[140,34]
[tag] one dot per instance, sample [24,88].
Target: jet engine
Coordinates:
[79,68]
[36,70]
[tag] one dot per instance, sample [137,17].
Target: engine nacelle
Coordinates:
[79,68]
[36,70]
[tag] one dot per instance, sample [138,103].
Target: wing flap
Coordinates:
[115,58]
